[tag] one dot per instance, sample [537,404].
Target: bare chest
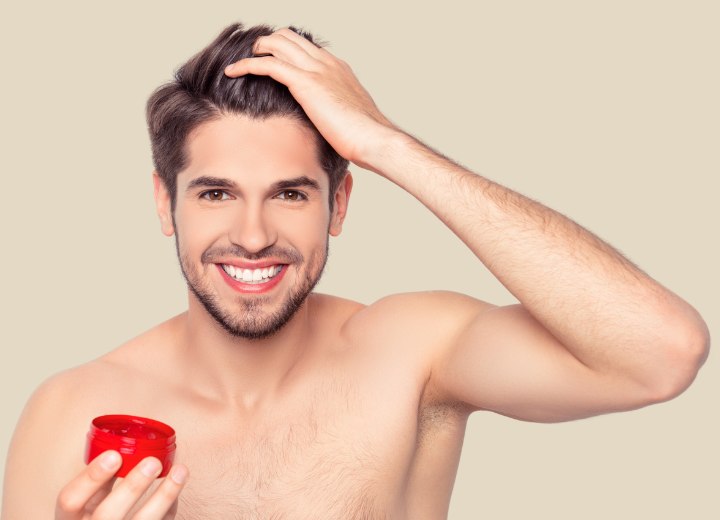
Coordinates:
[339,454]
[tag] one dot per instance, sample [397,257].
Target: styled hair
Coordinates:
[201,92]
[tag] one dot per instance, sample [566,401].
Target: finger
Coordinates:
[98,497]
[286,50]
[126,494]
[92,484]
[312,49]
[164,500]
[281,71]
[173,511]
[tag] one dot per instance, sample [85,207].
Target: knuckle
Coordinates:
[96,473]
[337,65]
[138,484]
[68,502]
[163,499]
[169,492]
[259,42]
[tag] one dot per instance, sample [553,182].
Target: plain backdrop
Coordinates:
[606,111]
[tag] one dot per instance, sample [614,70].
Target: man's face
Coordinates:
[252,220]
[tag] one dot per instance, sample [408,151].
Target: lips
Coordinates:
[258,280]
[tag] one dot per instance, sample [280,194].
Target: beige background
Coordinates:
[607,111]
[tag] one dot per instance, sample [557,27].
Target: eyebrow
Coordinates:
[297,182]
[206,181]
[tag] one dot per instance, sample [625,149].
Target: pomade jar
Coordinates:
[134,438]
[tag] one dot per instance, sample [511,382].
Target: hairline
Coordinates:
[219,113]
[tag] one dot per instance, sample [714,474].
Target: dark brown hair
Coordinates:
[201,92]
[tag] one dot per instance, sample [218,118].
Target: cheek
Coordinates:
[197,230]
[307,229]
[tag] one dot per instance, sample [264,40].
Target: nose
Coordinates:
[252,228]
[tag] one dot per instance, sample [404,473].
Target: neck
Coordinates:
[236,371]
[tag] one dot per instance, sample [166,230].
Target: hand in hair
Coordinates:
[327,89]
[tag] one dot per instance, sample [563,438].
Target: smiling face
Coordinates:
[251,220]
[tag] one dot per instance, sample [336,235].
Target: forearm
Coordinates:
[606,312]
[603,309]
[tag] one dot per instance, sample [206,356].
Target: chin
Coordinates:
[250,318]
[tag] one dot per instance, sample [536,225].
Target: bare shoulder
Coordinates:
[53,405]
[436,302]
[425,312]
[69,394]
[47,448]
[435,316]
[147,349]
[334,309]
[414,330]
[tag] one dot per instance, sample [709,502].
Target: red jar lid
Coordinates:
[134,438]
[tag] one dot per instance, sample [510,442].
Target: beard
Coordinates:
[247,318]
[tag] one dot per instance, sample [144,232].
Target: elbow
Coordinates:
[682,358]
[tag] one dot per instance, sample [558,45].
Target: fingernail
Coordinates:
[179,474]
[110,460]
[150,467]
[228,68]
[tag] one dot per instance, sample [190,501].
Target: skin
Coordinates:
[348,411]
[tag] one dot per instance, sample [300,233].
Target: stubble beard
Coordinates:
[244,317]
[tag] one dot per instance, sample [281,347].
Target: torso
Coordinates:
[361,437]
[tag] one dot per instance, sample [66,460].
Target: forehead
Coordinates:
[265,150]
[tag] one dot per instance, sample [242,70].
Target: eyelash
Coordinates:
[302,196]
[205,195]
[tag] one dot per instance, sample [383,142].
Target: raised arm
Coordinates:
[593,333]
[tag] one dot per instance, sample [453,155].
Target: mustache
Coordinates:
[286,255]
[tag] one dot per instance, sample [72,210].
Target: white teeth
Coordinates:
[252,276]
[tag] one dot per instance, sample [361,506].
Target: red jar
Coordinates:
[134,438]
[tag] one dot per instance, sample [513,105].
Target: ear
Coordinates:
[341,200]
[163,206]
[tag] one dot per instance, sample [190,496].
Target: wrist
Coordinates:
[379,153]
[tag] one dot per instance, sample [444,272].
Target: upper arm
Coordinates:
[501,359]
[43,454]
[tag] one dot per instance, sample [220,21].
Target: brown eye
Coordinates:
[214,195]
[292,195]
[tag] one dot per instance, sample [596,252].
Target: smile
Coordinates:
[252,276]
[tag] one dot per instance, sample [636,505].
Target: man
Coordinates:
[291,404]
